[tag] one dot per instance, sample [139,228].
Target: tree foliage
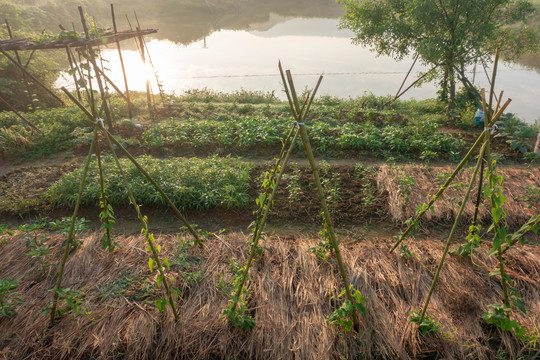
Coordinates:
[450,34]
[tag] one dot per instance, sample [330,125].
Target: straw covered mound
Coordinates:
[292,294]
[409,186]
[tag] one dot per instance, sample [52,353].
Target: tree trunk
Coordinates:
[444,85]
[449,74]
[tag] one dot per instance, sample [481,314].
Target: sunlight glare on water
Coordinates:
[230,61]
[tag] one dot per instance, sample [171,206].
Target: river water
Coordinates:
[231,60]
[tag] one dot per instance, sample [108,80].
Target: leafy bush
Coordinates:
[516,133]
[190,183]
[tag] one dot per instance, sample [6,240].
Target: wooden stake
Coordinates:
[11,108]
[72,67]
[127,96]
[72,228]
[148,96]
[96,72]
[28,93]
[32,76]
[452,232]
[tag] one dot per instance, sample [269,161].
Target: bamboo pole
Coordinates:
[90,87]
[479,141]
[103,197]
[143,45]
[72,227]
[74,75]
[143,57]
[260,227]
[107,79]
[110,139]
[156,186]
[407,76]
[328,220]
[410,86]
[452,232]
[128,99]
[81,75]
[11,108]
[487,75]
[28,93]
[487,121]
[481,177]
[271,180]
[301,114]
[144,223]
[22,68]
[95,66]
[141,169]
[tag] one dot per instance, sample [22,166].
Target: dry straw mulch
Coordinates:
[520,187]
[291,297]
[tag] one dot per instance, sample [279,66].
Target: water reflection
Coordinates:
[189,24]
[230,60]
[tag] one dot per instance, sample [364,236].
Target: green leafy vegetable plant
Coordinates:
[107,218]
[428,326]
[343,317]
[473,242]
[8,300]
[73,300]
[38,251]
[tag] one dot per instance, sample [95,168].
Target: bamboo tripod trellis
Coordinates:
[171,293]
[484,159]
[80,79]
[265,202]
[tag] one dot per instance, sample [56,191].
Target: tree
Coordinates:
[446,34]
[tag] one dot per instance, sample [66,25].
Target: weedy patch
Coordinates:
[187,264]
[293,184]
[531,195]
[125,284]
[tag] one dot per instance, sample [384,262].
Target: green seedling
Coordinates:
[8,301]
[343,317]
[426,324]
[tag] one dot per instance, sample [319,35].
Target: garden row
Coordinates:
[235,122]
[252,132]
[354,192]
[203,123]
